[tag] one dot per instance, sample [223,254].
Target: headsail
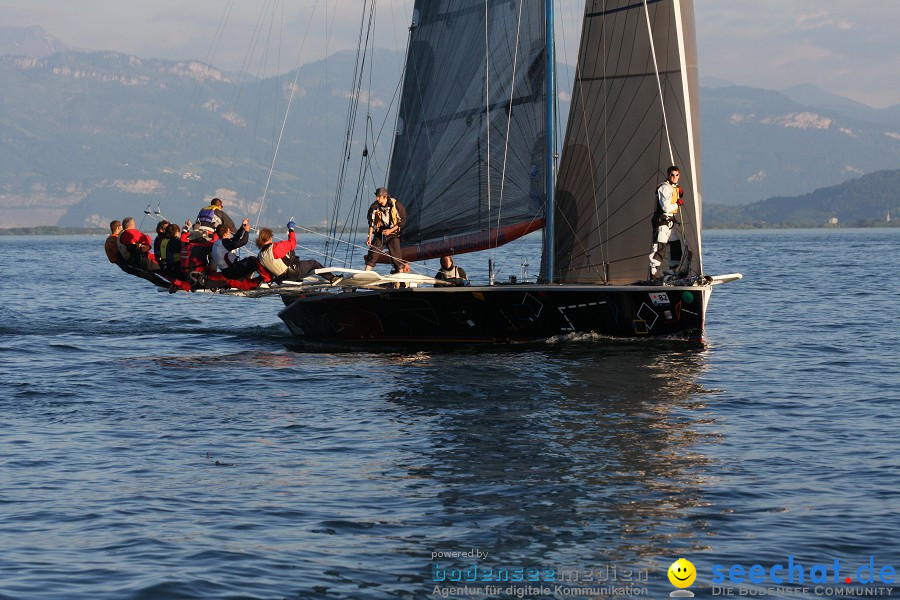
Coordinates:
[617,144]
[464,186]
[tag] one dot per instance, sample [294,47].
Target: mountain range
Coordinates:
[91,136]
[866,201]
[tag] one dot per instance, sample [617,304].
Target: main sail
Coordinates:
[469,155]
[634,112]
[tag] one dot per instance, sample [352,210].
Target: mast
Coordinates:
[549,258]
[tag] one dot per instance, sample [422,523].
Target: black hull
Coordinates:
[501,314]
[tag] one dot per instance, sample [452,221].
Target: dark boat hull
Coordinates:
[500,314]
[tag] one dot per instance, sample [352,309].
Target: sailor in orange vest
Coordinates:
[386,217]
[669,196]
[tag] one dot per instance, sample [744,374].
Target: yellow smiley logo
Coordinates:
[682,573]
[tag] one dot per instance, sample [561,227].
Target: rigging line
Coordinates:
[341,241]
[499,268]
[387,114]
[354,207]
[251,163]
[487,109]
[364,36]
[604,245]
[353,105]
[659,83]
[286,113]
[512,92]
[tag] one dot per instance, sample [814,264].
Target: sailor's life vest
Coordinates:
[666,216]
[195,256]
[207,217]
[169,252]
[222,257]
[123,249]
[451,273]
[275,266]
[454,276]
[379,223]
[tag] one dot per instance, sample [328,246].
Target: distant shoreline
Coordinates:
[54,230]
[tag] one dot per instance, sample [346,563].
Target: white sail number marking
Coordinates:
[562,311]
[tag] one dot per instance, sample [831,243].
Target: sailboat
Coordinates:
[474,162]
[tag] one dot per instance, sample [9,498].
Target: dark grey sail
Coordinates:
[617,144]
[465,188]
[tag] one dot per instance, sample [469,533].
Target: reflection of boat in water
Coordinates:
[473,160]
[596,463]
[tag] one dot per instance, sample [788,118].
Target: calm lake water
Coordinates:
[181,446]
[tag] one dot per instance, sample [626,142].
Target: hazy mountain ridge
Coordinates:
[89,136]
[761,143]
[861,202]
[29,41]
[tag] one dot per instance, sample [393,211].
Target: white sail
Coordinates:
[635,111]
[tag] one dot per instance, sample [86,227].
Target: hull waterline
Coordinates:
[501,314]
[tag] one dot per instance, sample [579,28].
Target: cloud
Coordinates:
[820,20]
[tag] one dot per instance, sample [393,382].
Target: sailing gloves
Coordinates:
[291,225]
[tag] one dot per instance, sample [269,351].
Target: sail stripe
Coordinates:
[647,74]
[475,112]
[470,242]
[603,13]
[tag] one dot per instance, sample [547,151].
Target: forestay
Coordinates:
[464,186]
[617,144]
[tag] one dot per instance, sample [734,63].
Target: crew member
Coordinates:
[224,251]
[160,236]
[277,261]
[196,248]
[386,217]
[112,245]
[169,256]
[669,196]
[212,215]
[135,246]
[450,274]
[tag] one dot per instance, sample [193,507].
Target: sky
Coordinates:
[847,47]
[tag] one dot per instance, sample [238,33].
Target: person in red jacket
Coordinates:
[277,261]
[135,249]
[135,246]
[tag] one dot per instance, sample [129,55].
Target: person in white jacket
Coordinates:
[669,197]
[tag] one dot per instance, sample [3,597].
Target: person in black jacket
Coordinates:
[224,251]
[450,274]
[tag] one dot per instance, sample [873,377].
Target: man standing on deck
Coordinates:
[669,196]
[386,217]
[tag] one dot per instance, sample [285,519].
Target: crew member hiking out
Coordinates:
[669,197]
[224,251]
[135,246]
[386,217]
[277,261]
[112,245]
[135,249]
